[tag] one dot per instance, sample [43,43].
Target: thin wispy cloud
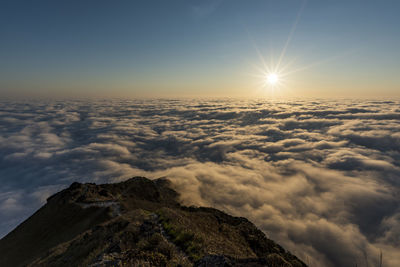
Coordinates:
[203,9]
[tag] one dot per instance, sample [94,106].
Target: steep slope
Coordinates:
[136,222]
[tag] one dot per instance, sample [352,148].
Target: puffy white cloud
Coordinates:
[320,177]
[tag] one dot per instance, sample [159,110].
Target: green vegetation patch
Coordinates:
[186,240]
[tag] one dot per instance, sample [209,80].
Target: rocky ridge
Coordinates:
[138,222]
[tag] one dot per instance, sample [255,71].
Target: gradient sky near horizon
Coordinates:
[199,48]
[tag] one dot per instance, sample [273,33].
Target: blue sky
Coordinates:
[205,48]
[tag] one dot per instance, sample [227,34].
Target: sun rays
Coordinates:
[277,74]
[273,76]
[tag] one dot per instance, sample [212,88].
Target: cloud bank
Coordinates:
[320,177]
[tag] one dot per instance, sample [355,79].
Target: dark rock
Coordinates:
[138,222]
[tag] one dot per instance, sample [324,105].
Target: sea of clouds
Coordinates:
[322,178]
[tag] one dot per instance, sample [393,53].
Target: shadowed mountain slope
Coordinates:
[138,222]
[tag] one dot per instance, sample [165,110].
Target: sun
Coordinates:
[272,79]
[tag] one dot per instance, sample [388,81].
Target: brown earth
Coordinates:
[138,222]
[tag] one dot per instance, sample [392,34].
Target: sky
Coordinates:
[319,176]
[199,48]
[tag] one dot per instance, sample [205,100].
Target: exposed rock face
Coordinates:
[138,222]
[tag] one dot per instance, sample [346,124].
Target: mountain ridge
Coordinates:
[138,222]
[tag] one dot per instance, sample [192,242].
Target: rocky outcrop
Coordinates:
[138,222]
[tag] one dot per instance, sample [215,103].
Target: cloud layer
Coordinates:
[320,177]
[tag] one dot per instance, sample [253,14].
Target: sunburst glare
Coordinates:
[272,79]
